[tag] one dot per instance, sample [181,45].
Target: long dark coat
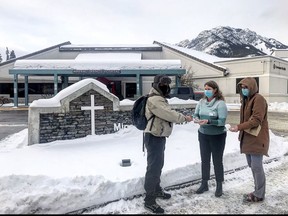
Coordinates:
[253,112]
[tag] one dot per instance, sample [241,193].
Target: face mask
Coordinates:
[245,92]
[164,89]
[208,93]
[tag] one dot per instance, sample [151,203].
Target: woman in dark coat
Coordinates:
[253,115]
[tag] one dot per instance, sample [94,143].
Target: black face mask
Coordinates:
[165,89]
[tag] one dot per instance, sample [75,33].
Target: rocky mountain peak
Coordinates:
[228,42]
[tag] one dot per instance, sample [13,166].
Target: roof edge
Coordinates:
[225,72]
[34,53]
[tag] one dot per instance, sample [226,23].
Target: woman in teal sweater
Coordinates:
[211,113]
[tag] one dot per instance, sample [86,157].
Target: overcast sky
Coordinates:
[30,25]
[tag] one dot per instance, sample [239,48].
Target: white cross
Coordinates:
[92,108]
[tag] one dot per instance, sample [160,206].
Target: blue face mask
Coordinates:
[245,92]
[208,93]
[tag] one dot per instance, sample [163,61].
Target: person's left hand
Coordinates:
[203,121]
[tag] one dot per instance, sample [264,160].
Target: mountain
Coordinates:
[228,42]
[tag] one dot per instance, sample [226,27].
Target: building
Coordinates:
[128,70]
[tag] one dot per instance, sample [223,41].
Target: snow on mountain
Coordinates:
[232,42]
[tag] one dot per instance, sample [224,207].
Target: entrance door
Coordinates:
[130,90]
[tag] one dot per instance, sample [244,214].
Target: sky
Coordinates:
[63,176]
[31,25]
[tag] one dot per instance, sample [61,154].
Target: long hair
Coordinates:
[218,93]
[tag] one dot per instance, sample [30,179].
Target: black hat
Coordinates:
[163,79]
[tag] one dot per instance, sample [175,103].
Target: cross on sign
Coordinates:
[92,108]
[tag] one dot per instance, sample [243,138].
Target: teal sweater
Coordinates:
[216,113]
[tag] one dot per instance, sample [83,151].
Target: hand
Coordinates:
[203,122]
[188,118]
[234,128]
[196,120]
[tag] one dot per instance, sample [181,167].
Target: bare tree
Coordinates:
[187,80]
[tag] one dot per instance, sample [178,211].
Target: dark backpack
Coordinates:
[139,119]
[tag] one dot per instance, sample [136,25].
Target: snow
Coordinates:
[120,64]
[55,101]
[108,56]
[63,176]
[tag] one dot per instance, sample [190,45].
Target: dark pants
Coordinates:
[155,161]
[212,144]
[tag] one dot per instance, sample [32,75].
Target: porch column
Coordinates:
[177,80]
[138,88]
[26,91]
[55,84]
[15,90]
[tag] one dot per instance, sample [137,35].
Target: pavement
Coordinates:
[12,121]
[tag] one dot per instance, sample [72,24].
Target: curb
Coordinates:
[13,108]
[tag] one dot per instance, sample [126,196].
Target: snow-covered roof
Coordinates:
[84,64]
[111,47]
[109,56]
[197,55]
[55,101]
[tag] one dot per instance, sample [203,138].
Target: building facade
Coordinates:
[128,70]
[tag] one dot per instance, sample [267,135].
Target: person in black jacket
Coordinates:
[157,129]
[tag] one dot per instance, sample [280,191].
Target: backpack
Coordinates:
[139,119]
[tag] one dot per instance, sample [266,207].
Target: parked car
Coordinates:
[182,92]
[198,95]
[185,93]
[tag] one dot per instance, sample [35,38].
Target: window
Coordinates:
[130,90]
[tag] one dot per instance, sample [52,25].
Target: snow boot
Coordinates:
[154,208]
[203,187]
[218,191]
[151,205]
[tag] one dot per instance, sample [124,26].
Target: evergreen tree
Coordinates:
[12,55]
[0,58]
[7,54]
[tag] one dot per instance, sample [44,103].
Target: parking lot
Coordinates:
[15,120]
[12,121]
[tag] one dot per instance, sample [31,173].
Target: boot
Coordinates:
[163,195]
[218,191]
[203,187]
[151,205]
